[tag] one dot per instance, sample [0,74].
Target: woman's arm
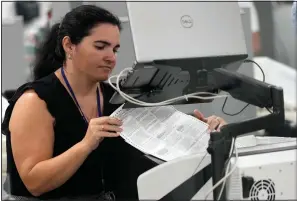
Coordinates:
[32,141]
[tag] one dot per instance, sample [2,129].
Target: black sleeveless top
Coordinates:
[113,166]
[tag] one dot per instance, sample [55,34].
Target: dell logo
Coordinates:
[186,21]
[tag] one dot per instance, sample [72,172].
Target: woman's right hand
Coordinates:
[99,128]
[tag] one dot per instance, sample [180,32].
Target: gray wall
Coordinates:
[265,14]
[14,66]
[59,10]
[284,35]
[278,36]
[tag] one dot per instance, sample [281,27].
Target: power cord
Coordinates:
[231,151]
[227,166]
[245,61]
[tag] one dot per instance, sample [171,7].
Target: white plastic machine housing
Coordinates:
[273,173]
[272,165]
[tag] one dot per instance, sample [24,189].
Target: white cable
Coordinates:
[228,167]
[226,176]
[167,102]
[138,102]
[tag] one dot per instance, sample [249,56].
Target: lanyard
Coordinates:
[73,95]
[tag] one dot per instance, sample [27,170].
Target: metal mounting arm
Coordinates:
[250,91]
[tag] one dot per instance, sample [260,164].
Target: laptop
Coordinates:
[183,30]
[174,42]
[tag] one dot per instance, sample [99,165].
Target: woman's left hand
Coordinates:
[214,122]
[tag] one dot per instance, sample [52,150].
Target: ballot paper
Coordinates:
[163,132]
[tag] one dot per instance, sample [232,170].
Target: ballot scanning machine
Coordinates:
[187,48]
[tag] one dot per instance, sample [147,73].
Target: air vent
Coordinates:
[263,190]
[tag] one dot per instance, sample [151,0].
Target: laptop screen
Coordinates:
[182,30]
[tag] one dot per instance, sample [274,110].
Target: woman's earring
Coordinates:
[69,57]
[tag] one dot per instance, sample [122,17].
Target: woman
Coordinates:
[61,142]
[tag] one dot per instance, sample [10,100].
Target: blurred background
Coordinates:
[25,24]
[268,26]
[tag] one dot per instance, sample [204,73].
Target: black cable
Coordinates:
[251,61]
[199,164]
[245,61]
[268,110]
[264,79]
[234,114]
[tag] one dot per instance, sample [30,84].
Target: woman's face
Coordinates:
[95,55]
